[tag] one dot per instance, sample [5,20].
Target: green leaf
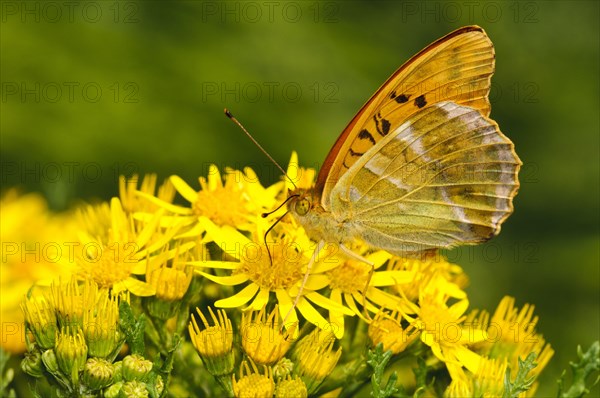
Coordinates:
[420,377]
[378,360]
[522,383]
[5,377]
[133,328]
[589,363]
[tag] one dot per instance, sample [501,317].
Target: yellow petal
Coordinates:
[165,205]
[312,315]
[240,298]
[259,301]
[285,306]
[337,317]
[229,239]
[225,280]
[214,178]
[139,288]
[189,193]
[214,264]
[292,172]
[467,358]
[390,278]
[316,282]
[328,304]
[379,258]
[459,308]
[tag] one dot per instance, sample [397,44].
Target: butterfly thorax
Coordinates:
[319,223]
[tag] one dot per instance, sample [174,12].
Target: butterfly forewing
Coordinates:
[457,68]
[445,176]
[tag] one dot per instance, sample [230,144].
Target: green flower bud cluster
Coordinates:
[74,337]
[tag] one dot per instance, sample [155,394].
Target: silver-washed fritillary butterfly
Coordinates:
[421,166]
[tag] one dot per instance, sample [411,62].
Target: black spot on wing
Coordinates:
[382,125]
[354,153]
[365,135]
[402,98]
[420,101]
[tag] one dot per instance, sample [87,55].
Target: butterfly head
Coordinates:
[301,202]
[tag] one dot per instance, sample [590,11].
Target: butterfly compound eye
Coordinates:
[302,206]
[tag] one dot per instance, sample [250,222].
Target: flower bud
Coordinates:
[113,391]
[214,343]
[135,367]
[49,360]
[134,389]
[41,320]
[32,364]
[97,373]
[71,353]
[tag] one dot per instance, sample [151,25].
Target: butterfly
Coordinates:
[421,166]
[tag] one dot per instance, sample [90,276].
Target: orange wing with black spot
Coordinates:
[458,68]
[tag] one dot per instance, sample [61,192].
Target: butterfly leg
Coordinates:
[357,257]
[312,260]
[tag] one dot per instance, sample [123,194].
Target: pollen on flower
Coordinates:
[262,338]
[291,388]
[316,358]
[284,271]
[214,340]
[386,329]
[108,264]
[350,277]
[253,384]
[224,204]
[214,343]
[171,282]
[68,299]
[435,313]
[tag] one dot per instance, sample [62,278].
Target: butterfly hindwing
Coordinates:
[457,67]
[445,176]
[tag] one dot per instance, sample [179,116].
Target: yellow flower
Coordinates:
[170,282]
[291,387]
[315,358]
[487,382]
[133,203]
[40,318]
[347,279]
[426,268]
[71,352]
[301,177]
[114,249]
[262,338]
[511,334]
[238,202]
[34,243]
[279,270]
[253,384]
[101,324]
[214,343]
[69,298]
[442,327]
[387,329]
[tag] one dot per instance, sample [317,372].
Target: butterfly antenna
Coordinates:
[265,215]
[230,116]
[269,230]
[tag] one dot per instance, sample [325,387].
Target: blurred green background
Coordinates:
[91,90]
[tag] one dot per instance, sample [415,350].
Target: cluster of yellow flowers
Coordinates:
[278,330]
